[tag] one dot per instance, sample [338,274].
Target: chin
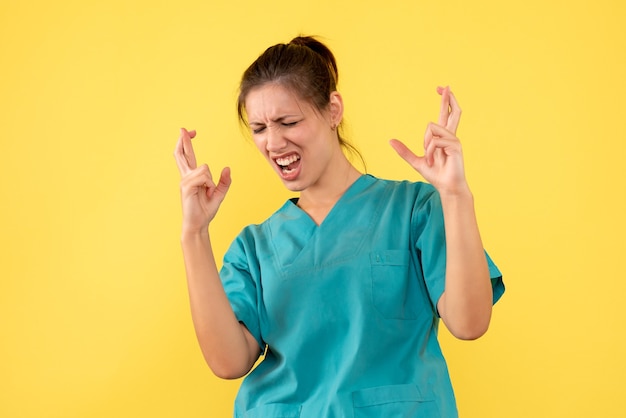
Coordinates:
[293,186]
[296,185]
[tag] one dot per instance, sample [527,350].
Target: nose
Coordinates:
[275,139]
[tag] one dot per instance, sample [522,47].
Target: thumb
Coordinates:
[224,184]
[407,155]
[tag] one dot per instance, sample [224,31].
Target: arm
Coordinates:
[228,347]
[465,305]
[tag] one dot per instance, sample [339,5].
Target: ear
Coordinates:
[335,106]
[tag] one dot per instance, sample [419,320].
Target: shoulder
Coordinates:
[418,191]
[254,232]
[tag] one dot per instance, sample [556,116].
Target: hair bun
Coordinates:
[321,49]
[301,40]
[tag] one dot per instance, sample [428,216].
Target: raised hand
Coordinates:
[201,197]
[442,162]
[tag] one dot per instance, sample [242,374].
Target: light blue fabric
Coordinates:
[347,308]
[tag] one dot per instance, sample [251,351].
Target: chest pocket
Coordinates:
[393,401]
[394,290]
[276,410]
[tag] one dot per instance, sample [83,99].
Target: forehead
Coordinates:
[272,101]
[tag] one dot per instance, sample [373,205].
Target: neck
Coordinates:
[318,201]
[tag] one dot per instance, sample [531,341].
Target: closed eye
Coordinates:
[258,128]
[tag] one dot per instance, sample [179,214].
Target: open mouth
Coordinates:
[289,163]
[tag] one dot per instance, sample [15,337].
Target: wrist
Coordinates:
[193,234]
[462,193]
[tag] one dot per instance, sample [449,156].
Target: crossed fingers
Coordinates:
[450,112]
[184,153]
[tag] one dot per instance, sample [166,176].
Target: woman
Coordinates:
[342,288]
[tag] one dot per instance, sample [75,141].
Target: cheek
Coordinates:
[301,138]
[259,142]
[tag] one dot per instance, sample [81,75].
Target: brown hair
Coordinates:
[305,66]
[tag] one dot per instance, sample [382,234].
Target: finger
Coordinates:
[440,148]
[455,114]
[224,183]
[448,145]
[188,152]
[428,136]
[444,111]
[437,137]
[225,179]
[434,130]
[179,156]
[407,155]
[200,177]
[431,152]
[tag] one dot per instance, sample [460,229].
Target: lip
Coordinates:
[275,157]
[291,175]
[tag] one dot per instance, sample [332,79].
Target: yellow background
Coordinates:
[93,306]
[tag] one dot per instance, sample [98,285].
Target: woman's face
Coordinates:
[297,140]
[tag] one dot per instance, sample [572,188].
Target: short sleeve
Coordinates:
[496,279]
[237,276]
[430,243]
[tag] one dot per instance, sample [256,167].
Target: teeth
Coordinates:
[287,160]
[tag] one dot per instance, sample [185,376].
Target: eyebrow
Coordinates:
[277,120]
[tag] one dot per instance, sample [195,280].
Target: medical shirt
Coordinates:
[346,311]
